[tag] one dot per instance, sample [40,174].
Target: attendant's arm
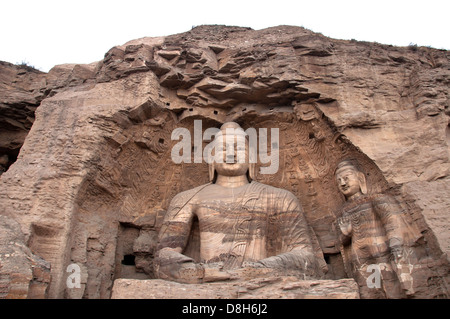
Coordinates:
[399,231]
[345,230]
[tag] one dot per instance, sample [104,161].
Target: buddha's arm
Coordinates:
[295,250]
[176,226]
[169,261]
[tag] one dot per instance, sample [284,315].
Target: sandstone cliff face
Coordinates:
[22,274]
[22,88]
[20,91]
[94,176]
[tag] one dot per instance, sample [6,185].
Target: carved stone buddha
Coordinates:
[244,225]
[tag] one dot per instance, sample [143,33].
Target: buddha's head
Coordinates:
[232,156]
[351,181]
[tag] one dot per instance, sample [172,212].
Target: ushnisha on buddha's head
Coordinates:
[351,181]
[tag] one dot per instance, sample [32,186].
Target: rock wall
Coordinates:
[22,274]
[94,176]
[20,91]
[267,288]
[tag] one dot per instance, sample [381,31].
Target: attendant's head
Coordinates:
[351,182]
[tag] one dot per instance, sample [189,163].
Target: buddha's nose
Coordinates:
[231,158]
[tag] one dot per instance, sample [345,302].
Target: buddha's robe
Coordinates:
[251,223]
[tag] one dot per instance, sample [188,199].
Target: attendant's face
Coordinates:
[348,182]
[235,156]
[306,112]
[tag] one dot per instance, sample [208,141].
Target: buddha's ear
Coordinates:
[252,160]
[252,171]
[212,171]
[362,182]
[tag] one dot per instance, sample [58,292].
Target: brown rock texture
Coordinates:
[265,288]
[22,274]
[22,88]
[94,177]
[20,92]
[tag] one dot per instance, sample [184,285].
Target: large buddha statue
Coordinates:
[243,225]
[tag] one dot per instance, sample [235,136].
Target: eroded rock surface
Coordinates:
[22,274]
[266,288]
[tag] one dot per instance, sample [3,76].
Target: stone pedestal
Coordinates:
[284,287]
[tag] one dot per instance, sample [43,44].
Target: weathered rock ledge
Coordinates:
[267,288]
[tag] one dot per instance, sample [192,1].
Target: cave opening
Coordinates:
[129,260]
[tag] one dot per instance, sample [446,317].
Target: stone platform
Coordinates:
[261,288]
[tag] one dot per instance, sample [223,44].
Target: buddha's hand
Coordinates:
[345,225]
[215,272]
[172,265]
[252,264]
[250,270]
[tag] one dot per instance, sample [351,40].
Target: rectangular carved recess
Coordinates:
[125,264]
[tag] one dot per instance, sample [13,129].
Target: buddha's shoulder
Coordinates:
[185,196]
[268,189]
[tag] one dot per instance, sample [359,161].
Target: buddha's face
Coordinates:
[234,154]
[348,182]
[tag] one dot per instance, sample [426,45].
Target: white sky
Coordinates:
[44,33]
